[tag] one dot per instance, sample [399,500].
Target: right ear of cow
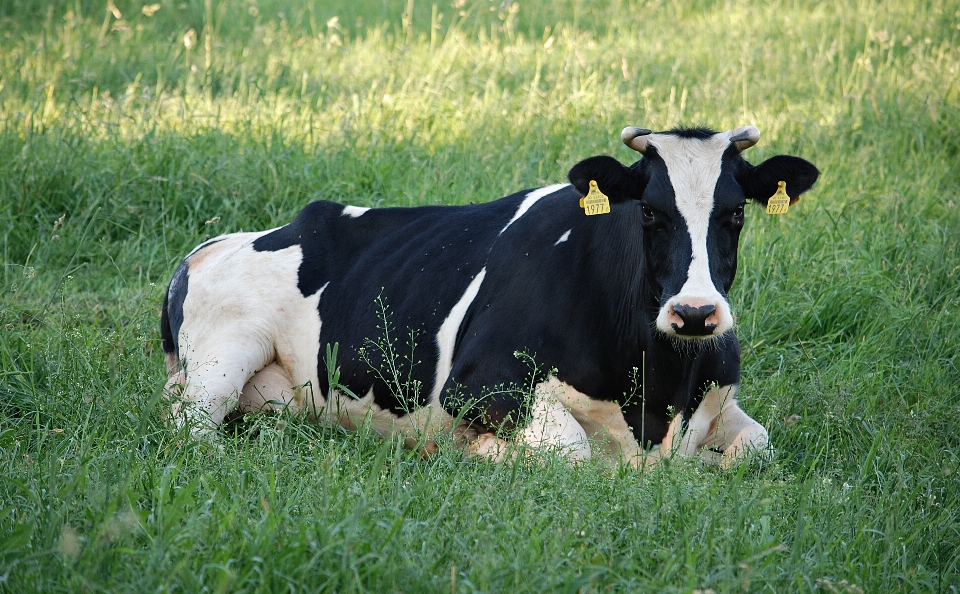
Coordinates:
[760,182]
[614,179]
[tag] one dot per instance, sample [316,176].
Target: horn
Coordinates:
[744,137]
[635,138]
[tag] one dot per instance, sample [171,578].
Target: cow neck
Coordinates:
[617,252]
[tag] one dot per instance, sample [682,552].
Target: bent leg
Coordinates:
[215,375]
[737,435]
[551,426]
[718,431]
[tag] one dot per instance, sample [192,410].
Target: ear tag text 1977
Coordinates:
[595,202]
[780,201]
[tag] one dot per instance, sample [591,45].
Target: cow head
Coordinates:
[689,190]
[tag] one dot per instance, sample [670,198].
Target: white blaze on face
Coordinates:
[694,168]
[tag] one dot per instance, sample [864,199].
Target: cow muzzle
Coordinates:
[695,318]
[689,320]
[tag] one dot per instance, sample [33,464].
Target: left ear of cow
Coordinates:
[614,179]
[760,183]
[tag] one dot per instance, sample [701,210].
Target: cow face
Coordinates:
[691,187]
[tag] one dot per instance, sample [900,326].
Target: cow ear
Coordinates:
[760,183]
[614,179]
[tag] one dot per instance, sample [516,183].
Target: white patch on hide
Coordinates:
[447,335]
[531,199]
[353,211]
[552,425]
[243,311]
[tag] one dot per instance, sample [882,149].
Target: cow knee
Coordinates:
[206,399]
[216,369]
[735,435]
[552,426]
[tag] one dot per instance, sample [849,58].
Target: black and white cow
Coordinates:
[520,321]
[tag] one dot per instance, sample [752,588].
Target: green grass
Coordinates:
[121,149]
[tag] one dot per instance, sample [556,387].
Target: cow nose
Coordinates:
[696,321]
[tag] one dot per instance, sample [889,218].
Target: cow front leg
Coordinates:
[552,427]
[718,431]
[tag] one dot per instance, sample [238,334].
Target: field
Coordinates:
[131,131]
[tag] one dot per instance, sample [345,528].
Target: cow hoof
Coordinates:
[759,455]
[428,449]
[463,436]
[488,447]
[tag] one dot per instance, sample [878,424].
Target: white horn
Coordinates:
[744,137]
[635,138]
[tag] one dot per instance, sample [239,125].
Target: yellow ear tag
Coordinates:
[779,202]
[595,202]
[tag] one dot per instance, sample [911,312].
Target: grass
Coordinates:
[121,148]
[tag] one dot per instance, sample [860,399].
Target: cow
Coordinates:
[589,317]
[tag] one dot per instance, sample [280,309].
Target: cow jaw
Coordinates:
[698,310]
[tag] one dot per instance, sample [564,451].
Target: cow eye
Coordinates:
[647,213]
[738,213]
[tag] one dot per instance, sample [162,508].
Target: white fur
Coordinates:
[552,426]
[447,335]
[354,211]
[602,420]
[701,421]
[564,237]
[531,199]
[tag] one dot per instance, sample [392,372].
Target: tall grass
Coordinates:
[127,138]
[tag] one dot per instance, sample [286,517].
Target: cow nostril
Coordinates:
[694,320]
[690,313]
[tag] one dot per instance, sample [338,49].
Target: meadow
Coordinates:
[130,131]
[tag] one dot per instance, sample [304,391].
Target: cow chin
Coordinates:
[695,319]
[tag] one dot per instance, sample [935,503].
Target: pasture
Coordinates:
[130,131]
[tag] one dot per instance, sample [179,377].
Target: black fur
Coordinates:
[619,183]
[760,182]
[171,316]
